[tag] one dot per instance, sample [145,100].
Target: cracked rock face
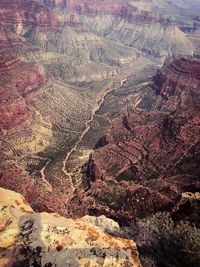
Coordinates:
[42,239]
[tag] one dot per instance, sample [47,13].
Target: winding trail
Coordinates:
[85,131]
[45,181]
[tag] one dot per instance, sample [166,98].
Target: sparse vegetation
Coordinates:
[165,243]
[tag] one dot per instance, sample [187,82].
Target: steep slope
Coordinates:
[66,70]
[41,239]
[147,159]
[178,84]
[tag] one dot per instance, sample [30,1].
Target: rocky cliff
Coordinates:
[124,9]
[147,159]
[60,62]
[41,239]
[179,77]
[22,13]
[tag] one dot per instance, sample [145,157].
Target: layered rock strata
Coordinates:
[147,160]
[58,58]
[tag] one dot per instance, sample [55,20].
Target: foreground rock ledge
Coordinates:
[41,239]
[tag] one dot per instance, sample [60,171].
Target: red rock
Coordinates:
[13,109]
[13,114]
[124,148]
[117,8]
[26,13]
[180,78]
[149,158]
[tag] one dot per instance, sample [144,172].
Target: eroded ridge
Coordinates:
[147,159]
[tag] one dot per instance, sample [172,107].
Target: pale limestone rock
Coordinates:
[102,222]
[50,240]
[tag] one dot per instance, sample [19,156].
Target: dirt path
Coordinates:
[86,129]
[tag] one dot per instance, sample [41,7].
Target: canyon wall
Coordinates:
[58,58]
[147,160]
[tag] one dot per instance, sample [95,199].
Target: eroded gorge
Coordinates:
[99,123]
[71,70]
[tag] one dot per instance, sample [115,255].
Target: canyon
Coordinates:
[58,60]
[99,113]
[147,159]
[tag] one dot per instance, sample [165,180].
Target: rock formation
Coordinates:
[22,13]
[58,60]
[147,159]
[42,239]
[91,125]
[179,78]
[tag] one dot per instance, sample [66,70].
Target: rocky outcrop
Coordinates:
[28,238]
[127,10]
[149,158]
[188,208]
[118,8]
[22,13]
[179,78]
[24,79]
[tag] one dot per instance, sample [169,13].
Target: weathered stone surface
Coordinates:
[42,239]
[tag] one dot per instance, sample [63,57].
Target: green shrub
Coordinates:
[164,243]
